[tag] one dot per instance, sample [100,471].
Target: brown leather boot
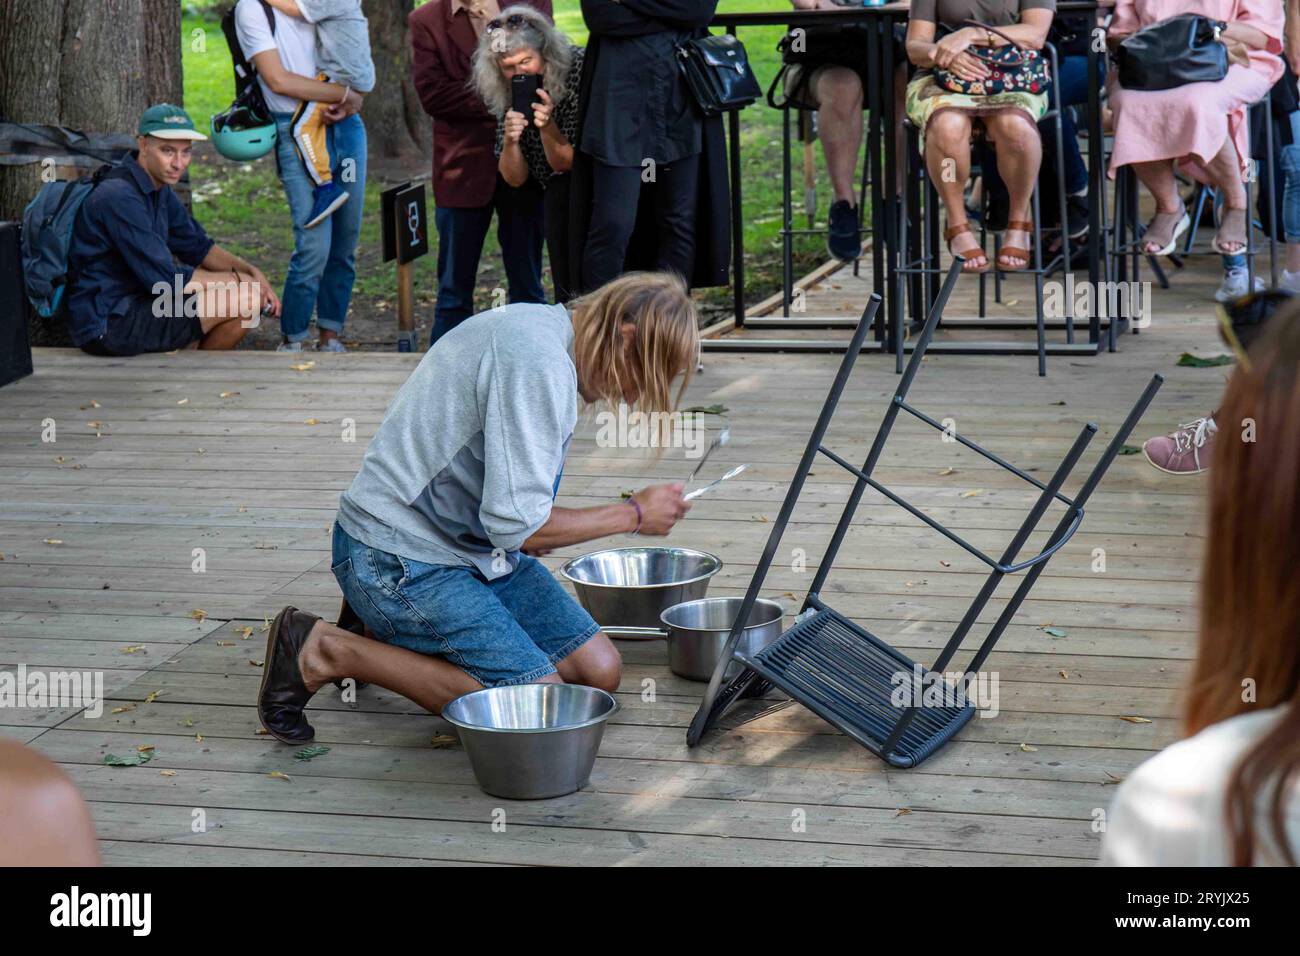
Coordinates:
[283,696]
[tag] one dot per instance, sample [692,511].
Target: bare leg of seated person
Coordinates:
[1171,219]
[227,309]
[1225,173]
[1019,153]
[947,158]
[839,93]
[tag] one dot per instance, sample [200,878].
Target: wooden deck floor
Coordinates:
[152,462]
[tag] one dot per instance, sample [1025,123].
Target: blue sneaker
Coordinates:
[325,200]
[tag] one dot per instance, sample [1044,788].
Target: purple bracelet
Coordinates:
[632,502]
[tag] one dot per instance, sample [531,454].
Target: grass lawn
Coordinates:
[243,207]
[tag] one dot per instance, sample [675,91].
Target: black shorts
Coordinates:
[138,330]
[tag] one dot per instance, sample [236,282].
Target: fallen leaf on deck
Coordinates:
[261,732]
[187,722]
[901,811]
[1028,749]
[93,404]
[244,632]
[227,395]
[1113,779]
[153,696]
[266,623]
[948,471]
[279,776]
[242,509]
[706,409]
[311,421]
[257,663]
[225,643]
[143,747]
[1054,631]
[1064,675]
[123,709]
[54,541]
[133,649]
[183,401]
[302,366]
[59,459]
[443,740]
[1128,450]
[972,493]
[198,738]
[198,614]
[167,773]
[263,546]
[308,753]
[1136,720]
[946,564]
[130,760]
[94,424]
[1194,361]
[203,451]
[762,518]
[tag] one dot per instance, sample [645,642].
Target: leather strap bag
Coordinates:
[718,73]
[1172,53]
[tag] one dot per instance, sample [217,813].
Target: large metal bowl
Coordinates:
[698,631]
[532,741]
[626,589]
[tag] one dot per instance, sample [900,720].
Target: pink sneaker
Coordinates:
[1185,451]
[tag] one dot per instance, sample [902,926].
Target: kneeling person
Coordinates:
[435,539]
[127,294]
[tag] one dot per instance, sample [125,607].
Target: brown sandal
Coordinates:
[951,233]
[1017,225]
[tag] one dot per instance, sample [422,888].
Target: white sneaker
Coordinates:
[289,347]
[333,345]
[1235,285]
[1290,281]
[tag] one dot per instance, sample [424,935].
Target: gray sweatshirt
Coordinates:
[466,463]
[342,41]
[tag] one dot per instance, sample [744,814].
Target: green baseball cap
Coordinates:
[166,121]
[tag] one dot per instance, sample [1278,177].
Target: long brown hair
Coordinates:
[666,343]
[1250,581]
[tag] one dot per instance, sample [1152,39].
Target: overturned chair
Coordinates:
[836,668]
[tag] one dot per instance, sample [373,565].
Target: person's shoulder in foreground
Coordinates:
[1170,810]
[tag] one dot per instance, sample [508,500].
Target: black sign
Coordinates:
[405,223]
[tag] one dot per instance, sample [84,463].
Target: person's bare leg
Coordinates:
[595,664]
[331,653]
[223,335]
[1019,155]
[947,158]
[839,91]
[227,308]
[1224,171]
[1158,177]
[43,819]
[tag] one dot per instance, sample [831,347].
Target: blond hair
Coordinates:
[666,343]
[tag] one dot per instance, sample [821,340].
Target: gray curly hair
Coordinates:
[536,32]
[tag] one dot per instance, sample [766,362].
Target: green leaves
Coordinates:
[130,760]
[308,753]
[1192,361]
[706,410]
[1129,449]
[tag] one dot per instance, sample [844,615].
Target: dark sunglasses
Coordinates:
[514,21]
[1242,320]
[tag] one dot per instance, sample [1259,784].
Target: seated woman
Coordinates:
[522,41]
[435,539]
[1200,127]
[947,119]
[1229,794]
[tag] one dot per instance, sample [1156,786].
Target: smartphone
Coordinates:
[523,93]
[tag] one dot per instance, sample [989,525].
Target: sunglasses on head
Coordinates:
[1242,320]
[514,21]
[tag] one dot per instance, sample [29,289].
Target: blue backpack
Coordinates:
[47,237]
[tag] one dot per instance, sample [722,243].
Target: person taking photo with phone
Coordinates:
[527,73]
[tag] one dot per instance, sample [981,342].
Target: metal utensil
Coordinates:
[531,741]
[698,631]
[721,438]
[691,496]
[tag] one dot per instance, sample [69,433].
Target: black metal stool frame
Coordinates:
[837,669]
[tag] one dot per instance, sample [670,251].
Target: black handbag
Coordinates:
[718,73]
[1172,53]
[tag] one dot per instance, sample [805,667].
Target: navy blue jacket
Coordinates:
[128,237]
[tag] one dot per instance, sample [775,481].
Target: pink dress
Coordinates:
[1190,123]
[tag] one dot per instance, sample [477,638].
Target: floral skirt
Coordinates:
[925,97]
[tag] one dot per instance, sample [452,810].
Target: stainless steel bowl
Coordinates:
[532,741]
[697,632]
[626,589]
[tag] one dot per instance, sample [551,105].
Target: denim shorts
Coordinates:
[511,630]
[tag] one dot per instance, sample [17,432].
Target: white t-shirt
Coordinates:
[1170,811]
[294,39]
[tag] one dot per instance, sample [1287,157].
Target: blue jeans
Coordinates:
[323,266]
[510,630]
[1291,192]
[520,222]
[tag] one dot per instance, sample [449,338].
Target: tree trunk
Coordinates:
[92,65]
[395,123]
